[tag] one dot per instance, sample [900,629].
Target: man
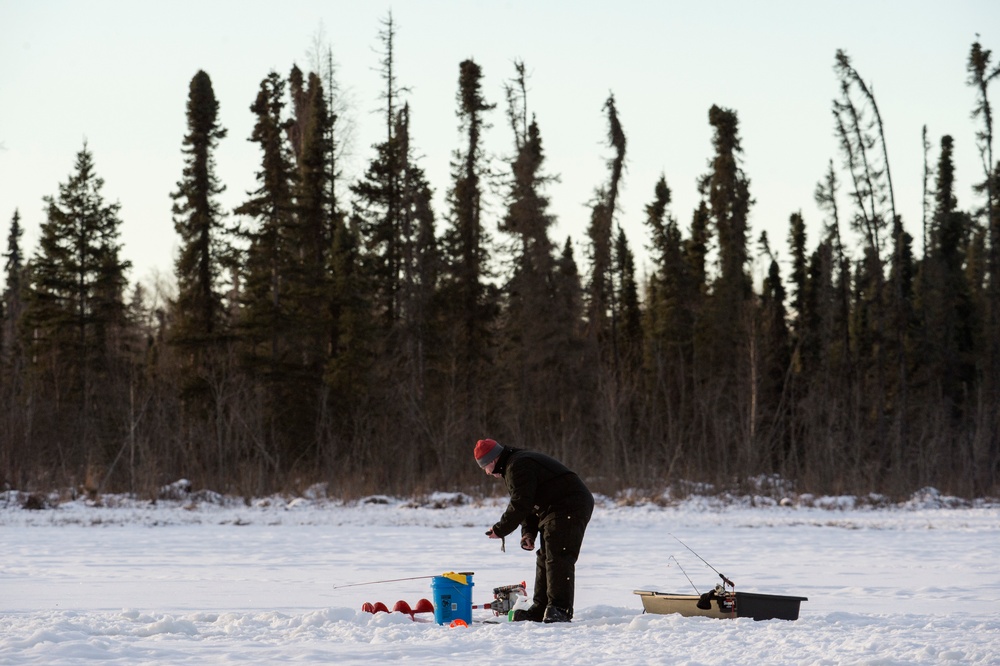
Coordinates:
[550,503]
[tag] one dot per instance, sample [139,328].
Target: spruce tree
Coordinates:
[527,218]
[315,219]
[600,291]
[16,454]
[198,316]
[797,242]
[270,255]
[75,321]
[401,264]
[76,300]
[11,305]
[723,350]
[947,302]
[470,300]
[532,340]
[379,197]
[771,359]
[419,266]
[726,191]
[671,308]
[614,318]
[268,329]
[394,216]
[319,134]
[903,323]
[981,74]
[380,192]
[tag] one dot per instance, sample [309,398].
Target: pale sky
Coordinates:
[115,74]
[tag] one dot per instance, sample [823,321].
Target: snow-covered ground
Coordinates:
[203,580]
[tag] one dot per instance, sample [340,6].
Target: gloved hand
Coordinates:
[527,542]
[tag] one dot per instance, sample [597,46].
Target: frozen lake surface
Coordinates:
[220,581]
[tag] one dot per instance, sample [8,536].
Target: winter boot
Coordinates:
[533,613]
[556,614]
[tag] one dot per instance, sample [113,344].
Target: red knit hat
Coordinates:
[487,450]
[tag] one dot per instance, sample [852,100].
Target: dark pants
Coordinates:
[555,565]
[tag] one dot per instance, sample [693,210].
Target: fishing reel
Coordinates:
[725,599]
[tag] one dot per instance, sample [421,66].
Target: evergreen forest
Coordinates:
[348,333]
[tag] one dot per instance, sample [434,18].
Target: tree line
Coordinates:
[349,333]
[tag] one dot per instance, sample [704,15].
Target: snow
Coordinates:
[205,579]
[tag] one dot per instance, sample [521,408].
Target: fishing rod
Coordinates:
[374,582]
[724,579]
[460,577]
[685,574]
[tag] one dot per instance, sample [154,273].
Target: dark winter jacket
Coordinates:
[539,487]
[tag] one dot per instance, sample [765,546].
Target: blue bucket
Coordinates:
[452,597]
